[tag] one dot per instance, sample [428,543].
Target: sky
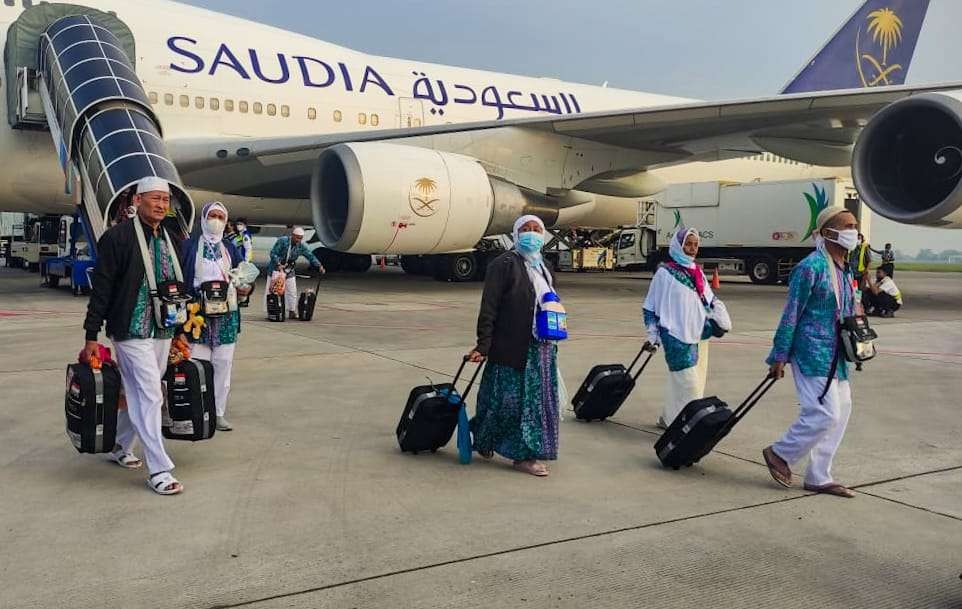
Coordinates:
[706,49]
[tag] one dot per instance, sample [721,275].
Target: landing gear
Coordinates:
[456,267]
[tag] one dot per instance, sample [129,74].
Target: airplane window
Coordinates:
[214,103]
[312,114]
[242,106]
[229,105]
[375,120]
[258,108]
[361,118]
[168,99]
[184,101]
[153,97]
[337,116]
[285,111]
[199,102]
[271,110]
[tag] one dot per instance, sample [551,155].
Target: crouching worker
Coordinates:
[134,258]
[284,255]
[517,408]
[208,260]
[882,297]
[820,294]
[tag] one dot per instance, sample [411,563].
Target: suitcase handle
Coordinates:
[474,377]
[643,365]
[753,398]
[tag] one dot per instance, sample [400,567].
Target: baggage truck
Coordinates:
[759,229]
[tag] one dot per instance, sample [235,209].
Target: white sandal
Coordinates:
[163,483]
[126,460]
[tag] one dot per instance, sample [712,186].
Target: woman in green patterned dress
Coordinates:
[210,257]
[517,413]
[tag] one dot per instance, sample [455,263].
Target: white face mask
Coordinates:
[241,228]
[216,226]
[847,238]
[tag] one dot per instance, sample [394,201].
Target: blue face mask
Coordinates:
[682,258]
[530,242]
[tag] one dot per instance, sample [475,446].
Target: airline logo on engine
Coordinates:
[423,198]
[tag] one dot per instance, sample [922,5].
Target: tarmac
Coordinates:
[308,503]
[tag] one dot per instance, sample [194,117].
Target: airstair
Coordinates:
[104,129]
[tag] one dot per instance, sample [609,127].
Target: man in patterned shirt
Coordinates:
[807,338]
[120,296]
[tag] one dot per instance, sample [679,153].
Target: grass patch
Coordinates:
[934,267]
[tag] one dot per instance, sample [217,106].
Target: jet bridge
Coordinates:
[103,127]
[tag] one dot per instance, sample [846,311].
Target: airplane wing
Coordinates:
[827,122]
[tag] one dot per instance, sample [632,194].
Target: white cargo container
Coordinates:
[761,229]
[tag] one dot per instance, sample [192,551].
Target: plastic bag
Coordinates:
[244,274]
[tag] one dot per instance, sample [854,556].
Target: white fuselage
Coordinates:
[210,75]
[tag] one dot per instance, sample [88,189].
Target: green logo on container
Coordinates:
[816,204]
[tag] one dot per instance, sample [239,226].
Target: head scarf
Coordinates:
[677,246]
[534,260]
[210,237]
[209,265]
[676,249]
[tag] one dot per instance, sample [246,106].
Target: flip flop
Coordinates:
[832,488]
[531,467]
[775,469]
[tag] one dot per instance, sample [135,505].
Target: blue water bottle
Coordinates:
[552,320]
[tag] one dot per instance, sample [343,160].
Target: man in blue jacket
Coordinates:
[284,255]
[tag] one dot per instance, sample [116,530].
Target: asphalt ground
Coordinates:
[309,503]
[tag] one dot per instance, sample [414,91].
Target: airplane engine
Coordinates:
[907,164]
[382,198]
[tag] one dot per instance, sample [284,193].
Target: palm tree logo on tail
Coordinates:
[885,27]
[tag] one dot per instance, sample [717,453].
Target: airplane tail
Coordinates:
[873,48]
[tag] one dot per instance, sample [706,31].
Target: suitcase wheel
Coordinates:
[676,467]
[689,465]
[434,450]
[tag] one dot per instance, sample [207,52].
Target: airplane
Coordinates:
[393,156]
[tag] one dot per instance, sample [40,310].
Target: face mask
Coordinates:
[216,226]
[847,238]
[241,228]
[682,258]
[530,242]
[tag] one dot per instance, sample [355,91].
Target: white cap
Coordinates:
[827,215]
[153,184]
[298,231]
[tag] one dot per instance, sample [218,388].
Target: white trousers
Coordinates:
[142,365]
[819,428]
[222,358]
[686,385]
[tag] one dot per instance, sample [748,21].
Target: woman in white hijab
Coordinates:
[210,257]
[681,314]
[517,411]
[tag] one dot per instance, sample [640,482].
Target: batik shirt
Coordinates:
[142,323]
[679,355]
[808,333]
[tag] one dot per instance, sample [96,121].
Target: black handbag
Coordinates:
[213,298]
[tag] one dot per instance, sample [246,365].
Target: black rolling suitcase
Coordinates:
[606,388]
[275,307]
[701,425]
[307,301]
[90,407]
[189,412]
[431,414]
